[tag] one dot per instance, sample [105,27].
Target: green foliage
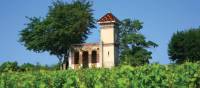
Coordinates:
[148,76]
[9,67]
[185,46]
[64,25]
[133,45]
[26,67]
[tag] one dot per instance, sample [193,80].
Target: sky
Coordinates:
[161,19]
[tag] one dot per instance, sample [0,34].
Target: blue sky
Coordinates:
[161,19]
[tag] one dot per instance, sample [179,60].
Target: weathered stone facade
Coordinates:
[84,56]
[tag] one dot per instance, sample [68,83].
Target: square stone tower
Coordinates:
[109,41]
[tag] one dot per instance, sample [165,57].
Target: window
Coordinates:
[94,56]
[76,58]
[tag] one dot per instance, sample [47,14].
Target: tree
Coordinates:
[27,67]
[64,25]
[9,67]
[133,45]
[185,46]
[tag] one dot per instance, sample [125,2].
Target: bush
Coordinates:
[9,67]
[14,67]
[27,67]
[148,76]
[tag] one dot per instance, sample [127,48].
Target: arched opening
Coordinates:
[76,57]
[94,56]
[85,59]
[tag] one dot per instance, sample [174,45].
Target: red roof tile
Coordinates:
[109,17]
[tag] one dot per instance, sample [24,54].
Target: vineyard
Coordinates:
[149,76]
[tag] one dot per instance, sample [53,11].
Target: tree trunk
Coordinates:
[66,62]
[60,62]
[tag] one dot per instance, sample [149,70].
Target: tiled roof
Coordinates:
[109,17]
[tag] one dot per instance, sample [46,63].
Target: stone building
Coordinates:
[105,53]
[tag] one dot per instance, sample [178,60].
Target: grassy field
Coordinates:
[149,76]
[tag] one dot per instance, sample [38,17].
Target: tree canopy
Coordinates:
[64,25]
[133,45]
[185,46]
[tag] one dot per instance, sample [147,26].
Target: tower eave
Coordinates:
[107,22]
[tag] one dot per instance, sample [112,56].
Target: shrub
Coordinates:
[9,67]
[148,76]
